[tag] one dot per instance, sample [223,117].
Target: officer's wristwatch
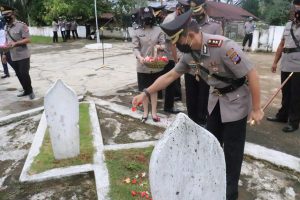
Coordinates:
[147,93]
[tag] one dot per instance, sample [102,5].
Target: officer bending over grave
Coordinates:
[224,66]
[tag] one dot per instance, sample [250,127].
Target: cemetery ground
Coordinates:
[112,86]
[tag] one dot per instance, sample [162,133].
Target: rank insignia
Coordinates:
[214,43]
[233,56]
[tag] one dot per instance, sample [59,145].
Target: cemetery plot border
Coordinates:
[99,167]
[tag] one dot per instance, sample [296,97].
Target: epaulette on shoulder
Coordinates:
[214,21]
[21,22]
[214,42]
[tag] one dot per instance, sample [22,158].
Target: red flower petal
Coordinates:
[133,193]
[133,181]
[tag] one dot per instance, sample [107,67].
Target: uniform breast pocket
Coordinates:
[295,58]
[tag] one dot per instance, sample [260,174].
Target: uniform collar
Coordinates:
[13,24]
[204,49]
[206,20]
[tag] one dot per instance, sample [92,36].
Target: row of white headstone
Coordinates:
[186,164]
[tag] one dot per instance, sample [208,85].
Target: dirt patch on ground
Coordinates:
[120,129]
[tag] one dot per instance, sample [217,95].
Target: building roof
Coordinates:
[227,11]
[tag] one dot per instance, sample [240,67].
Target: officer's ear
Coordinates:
[191,34]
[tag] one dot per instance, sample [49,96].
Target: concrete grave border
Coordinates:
[99,166]
[22,115]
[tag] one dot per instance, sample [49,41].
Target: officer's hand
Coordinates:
[141,60]
[274,67]
[4,59]
[12,44]
[256,116]
[138,100]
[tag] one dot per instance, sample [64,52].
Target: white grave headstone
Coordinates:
[62,113]
[187,164]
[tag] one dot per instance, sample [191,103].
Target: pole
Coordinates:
[102,46]
[161,2]
[274,95]
[278,90]
[97,27]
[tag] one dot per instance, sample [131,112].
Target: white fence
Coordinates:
[263,40]
[267,40]
[47,31]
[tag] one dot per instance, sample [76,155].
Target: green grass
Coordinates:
[124,164]
[45,159]
[41,40]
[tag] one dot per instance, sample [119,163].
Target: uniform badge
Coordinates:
[214,67]
[233,56]
[193,64]
[214,43]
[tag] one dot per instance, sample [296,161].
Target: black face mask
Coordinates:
[199,18]
[159,20]
[7,19]
[149,21]
[184,48]
[297,15]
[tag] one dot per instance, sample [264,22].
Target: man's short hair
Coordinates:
[296,2]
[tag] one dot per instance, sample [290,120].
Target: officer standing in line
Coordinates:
[62,27]
[173,91]
[145,40]
[249,28]
[223,65]
[197,90]
[170,50]
[68,29]
[289,51]
[17,35]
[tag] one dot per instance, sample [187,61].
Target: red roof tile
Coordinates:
[227,11]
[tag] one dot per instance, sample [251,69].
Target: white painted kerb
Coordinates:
[98,46]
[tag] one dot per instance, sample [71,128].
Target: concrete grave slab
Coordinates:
[187,163]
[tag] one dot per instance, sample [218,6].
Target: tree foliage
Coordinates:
[276,12]
[251,6]
[42,12]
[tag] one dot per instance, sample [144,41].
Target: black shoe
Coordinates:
[31,95]
[23,94]
[290,128]
[276,119]
[5,76]
[172,111]
[144,119]
[177,98]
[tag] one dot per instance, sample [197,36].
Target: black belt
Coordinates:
[291,50]
[235,85]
